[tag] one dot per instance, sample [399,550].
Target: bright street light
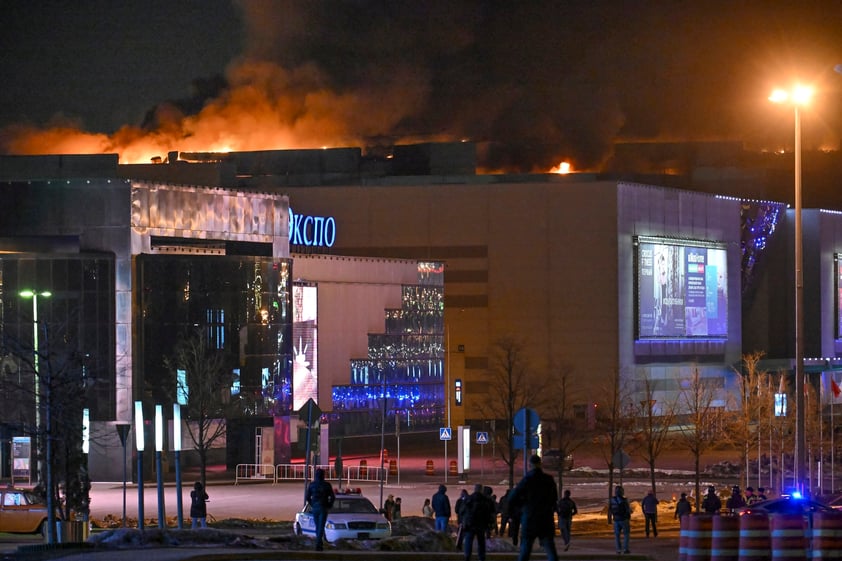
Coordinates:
[797,97]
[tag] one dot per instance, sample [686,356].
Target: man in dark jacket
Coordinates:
[478,514]
[441,507]
[459,507]
[712,504]
[537,495]
[621,514]
[649,504]
[320,496]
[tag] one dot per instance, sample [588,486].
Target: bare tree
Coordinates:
[59,378]
[743,420]
[565,432]
[206,383]
[615,423]
[702,425]
[653,429]
[511,386]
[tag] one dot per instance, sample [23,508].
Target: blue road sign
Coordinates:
[526,420]
[482,438]
[518,440]
[444,433]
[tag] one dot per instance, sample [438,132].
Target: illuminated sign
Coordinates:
[305,336]
[682,288]
[458,392]
[312,231]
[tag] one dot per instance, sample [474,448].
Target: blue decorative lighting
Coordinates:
[405,364]
[758,221]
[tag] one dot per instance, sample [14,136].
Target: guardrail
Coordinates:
[297,472]
[287,472]
[255,472]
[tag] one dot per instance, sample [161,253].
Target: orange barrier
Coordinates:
[698,537]
[431,470]
[453,467]
[789,542]
[684,521]
[755,541]
[393,467]
[827,535]
[725,538]
[363,469]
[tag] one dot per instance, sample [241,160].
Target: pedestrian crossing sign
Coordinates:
[482,437]
[444,433]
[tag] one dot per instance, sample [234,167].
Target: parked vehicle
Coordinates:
[22,511]
[352,516]
[551,459]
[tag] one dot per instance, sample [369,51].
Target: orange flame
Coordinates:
[266,108]
[562,168]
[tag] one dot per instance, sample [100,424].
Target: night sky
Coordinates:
[531,81]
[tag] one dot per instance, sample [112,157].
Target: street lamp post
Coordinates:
[35,350]
[51,517]
[159,450]
[139,444]
[799,96]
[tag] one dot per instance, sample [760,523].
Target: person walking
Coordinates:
[712,504]
[492,526]
[513,513]
[504,514]
[537,497]
[682,508]
[460,518]
[621,514]
[478,514]
[650,512]
[388,507]
[198,506]
[441,508]
[566,511]
[321,498]
[396,510]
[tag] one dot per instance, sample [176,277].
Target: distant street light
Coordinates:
[799,96]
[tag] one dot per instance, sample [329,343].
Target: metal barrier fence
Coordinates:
[255,472]
[349,473]
[293,472]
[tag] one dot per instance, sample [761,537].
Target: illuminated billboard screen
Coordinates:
[682,288]
[305,365]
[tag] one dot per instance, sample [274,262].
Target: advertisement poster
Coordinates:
[21,454]
[305,371]
[683,290]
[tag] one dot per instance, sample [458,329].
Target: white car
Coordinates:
[351,517]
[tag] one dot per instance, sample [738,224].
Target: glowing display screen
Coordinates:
[682,289]
[305,371]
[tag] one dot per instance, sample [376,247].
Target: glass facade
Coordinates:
[75,326]
[405,365]
[242,304]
